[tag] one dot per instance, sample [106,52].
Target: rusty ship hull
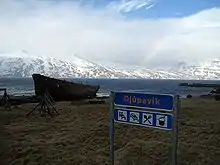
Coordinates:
[62,90]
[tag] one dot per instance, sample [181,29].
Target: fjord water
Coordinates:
[25,86]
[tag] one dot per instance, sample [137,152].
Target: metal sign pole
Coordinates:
[111,128]
[175,131]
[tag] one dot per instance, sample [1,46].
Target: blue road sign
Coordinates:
[145,100]
[144,118]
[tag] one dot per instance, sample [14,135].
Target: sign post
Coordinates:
[111,128]
[175,131]
[159,111]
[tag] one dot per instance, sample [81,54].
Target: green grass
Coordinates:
[79,135]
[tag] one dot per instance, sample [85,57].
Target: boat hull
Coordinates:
[62,90]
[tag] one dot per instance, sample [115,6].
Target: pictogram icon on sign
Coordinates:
[161,121]
[147,118]
[134,117]
[122,115]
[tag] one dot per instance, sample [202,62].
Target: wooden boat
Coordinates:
[62,90]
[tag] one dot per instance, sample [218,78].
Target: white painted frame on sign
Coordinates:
[175,115]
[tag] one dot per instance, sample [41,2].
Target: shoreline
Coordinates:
[18,100]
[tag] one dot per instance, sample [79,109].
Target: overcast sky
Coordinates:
[145,33]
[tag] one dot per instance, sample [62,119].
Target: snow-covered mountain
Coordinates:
[23,65]
[209,69]
[26,66]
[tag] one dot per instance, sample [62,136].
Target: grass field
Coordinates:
[79,136]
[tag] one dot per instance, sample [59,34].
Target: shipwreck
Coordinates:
[62,90]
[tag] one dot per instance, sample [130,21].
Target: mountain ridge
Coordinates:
[23,66]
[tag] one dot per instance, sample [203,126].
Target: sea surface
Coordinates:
[25,86]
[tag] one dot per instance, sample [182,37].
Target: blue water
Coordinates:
[25,86]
